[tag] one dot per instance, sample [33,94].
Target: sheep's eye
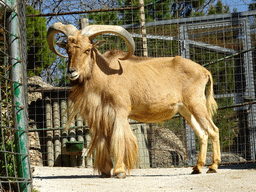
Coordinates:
[87,51]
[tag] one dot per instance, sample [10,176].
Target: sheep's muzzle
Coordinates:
[72,73]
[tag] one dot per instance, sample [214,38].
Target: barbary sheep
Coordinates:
[109,88]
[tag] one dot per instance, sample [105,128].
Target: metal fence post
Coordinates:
[190,134]
[249,94]
[19,100]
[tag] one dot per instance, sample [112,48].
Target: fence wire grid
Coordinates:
[219,35]
[14,158]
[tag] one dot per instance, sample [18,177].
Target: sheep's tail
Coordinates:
[211,104]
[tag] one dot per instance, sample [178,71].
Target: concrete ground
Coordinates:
[59,179]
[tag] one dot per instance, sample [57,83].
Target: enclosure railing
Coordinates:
[14,160]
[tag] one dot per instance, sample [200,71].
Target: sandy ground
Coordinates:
[56,179]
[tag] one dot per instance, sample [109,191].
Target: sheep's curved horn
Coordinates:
[92,31]
[67,30]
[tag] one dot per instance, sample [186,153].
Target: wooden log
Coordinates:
[49,134]
[80,158]
[57,143]
[89,162]
[64,134]
[72,135]
[143,29]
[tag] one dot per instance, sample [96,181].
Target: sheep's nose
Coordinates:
[71,70]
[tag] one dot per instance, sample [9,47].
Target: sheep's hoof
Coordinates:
[196,171]
[211,171]
[120,175]
[105,175]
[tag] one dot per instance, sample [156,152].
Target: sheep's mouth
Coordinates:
[73,76]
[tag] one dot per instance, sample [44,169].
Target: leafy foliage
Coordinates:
[62,79]
[39,55]
[6,135]
[219,8]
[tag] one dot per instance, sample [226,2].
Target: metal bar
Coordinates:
[81,12]
[210,47]
[73,127]
[20,115]
[250,90]
[158,37]
[6,5]
[229,56]
[11,79]
[207,46]
[248,62]
[195,20]
[14,153]
[48,89]
[190,134]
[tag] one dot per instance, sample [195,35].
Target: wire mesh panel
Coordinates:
[14,161]
[219,35]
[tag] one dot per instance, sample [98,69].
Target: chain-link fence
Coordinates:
[219,35]
[14,161]
[216,34]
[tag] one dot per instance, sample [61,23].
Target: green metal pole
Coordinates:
[19,104]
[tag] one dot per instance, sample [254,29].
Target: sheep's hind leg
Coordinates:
[216,149]
[204,119]
[203,138]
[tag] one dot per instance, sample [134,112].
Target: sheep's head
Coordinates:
[79,46]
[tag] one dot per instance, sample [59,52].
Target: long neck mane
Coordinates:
[91,101]
[88,98]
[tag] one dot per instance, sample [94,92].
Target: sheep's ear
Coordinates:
[97,44]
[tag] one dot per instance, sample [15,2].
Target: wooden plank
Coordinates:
[49,134]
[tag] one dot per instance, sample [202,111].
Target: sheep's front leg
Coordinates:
[123,146]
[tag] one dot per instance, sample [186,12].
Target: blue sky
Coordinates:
[241,5]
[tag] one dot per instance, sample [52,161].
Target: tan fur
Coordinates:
[108,91]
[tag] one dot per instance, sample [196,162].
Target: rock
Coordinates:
[34,83]
[167,149]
